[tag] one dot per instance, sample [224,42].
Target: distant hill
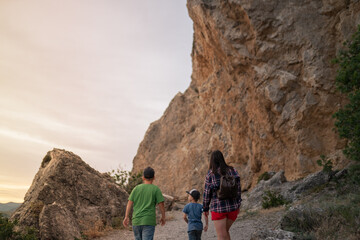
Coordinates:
[8,208]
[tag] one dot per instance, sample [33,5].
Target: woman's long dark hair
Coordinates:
[217,161]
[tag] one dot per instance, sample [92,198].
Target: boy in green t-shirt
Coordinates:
[144,198]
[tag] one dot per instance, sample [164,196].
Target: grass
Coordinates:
[247,214]
[96,230]
[116,223]
[265,176]
[332,211]
[299,221]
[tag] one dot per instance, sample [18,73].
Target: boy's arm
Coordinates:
[162,210]
[185,218]
[128,209]
[206,222]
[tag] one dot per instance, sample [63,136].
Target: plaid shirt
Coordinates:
[212,184]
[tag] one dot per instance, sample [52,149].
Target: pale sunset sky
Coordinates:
[88,76]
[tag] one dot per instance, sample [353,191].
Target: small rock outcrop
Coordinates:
[68,197]
[291,191]
[262,91]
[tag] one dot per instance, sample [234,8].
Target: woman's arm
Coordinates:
[207,193]
[239,187]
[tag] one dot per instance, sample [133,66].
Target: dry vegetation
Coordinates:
[331,211]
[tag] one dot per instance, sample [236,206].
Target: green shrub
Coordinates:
[134,180]
[354,173]
[273,199]
[126,179]
[7,231]
[265,176]
[348,82]
[325,163]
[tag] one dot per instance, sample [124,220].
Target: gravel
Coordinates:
[176,228]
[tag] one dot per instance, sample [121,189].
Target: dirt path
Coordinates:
[175,227]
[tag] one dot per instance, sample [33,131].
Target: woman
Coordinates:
[223,212]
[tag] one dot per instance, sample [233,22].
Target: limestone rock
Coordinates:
[253,199]
[262,91]
[169,202]
[68,197]
[291,191]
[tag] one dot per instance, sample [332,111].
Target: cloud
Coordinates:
[88,76]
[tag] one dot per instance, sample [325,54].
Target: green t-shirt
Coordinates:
[145,198]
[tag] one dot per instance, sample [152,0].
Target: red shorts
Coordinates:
[230,215]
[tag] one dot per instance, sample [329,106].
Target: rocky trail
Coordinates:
[175,228]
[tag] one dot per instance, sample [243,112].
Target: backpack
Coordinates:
[228,187]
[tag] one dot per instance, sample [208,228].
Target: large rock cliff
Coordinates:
[68,197]
[262,91]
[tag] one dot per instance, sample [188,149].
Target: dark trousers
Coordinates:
[195,234]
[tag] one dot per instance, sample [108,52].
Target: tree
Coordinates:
[8,232]
[348,82]
[125,179]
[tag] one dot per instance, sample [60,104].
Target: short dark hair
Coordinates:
[149,173]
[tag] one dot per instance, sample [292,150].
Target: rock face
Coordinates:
[262,91]
[68,197]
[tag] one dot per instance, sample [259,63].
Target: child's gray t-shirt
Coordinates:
[194,212]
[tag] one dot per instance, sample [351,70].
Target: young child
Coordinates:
[192,215]
[144,198]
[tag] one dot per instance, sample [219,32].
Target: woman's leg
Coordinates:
[221,229]
[229,222]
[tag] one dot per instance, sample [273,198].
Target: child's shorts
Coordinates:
[230,215]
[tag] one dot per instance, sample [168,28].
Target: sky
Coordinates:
[87,76]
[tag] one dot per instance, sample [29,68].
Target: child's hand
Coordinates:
[206,228]
[126,222]
[162,221]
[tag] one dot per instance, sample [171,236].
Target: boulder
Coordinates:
[169,202]
[68,197]
[253,199]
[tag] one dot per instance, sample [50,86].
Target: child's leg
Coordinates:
[137,232]
[198,234]
[192,235]
[148,232]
